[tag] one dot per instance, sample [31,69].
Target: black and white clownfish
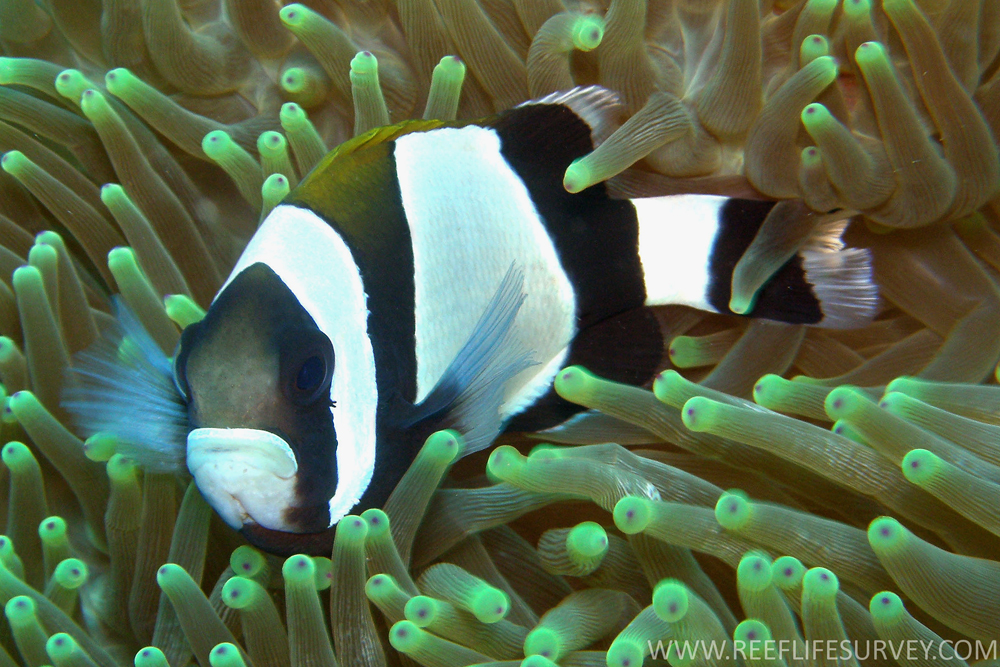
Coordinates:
[436,275]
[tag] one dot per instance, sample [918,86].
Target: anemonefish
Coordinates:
[425,276]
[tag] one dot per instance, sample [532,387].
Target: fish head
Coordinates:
[257,373]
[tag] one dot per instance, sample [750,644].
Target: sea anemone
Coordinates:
[782,485]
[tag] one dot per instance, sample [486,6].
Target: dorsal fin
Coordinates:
[598,107]
[372,137]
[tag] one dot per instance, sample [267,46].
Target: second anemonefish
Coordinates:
[434,275]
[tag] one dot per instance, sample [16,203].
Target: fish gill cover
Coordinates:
[783,484]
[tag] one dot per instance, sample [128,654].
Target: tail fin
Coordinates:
[689,246]
[824,284]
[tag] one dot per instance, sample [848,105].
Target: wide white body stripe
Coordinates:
[470,217]
[676,235]
[317,266]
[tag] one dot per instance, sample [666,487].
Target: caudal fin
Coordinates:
[824,284]
[690,246]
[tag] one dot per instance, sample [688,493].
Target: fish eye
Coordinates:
[307,368]
[311,374]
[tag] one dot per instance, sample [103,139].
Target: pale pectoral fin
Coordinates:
[123,385]
[470,393]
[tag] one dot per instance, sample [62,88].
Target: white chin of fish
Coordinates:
[246,475]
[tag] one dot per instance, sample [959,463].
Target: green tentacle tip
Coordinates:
[20,610]
[885,533]
[71,84]
[364,63]
[843,401]
[587,32]
[698,414]
[226,655]
[901,384]
[754,572]
[543,641]
[670,600]
[113,194]
[820,582]
[406,637]
[815,117]
[100,446]
[271,142]
[324,572]
[275,188]
[769,389]
[150,656]
[422,610]
[294,15]
[488,604]
[886,607]
[52,530]
[352,528]
[871,54]
[379,585]
[505,461]
[6,548]
[683,352]
[118,80]
[71,573]
[170,574]
[218,145]
[750,638]
[120,258]
[813,47]
[450,67]
[444,446]
[732,511]
[632,514]
[573,381]
[741,303]
[238,592]
[578,176]
[920,466]
[787,572]
[811,157]
[845,430]
[122,469]
[857,8]
[537,660]
[667,385]
[182,310]
[61,647]
[93,104]
[299,569]
[624,653]
[24,402]
[14,162]
[291,114]
[8,67]
[588,540]
[378,522]
[16,455]
[294,80]
[247,561]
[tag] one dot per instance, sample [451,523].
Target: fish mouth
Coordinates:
[247,475]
